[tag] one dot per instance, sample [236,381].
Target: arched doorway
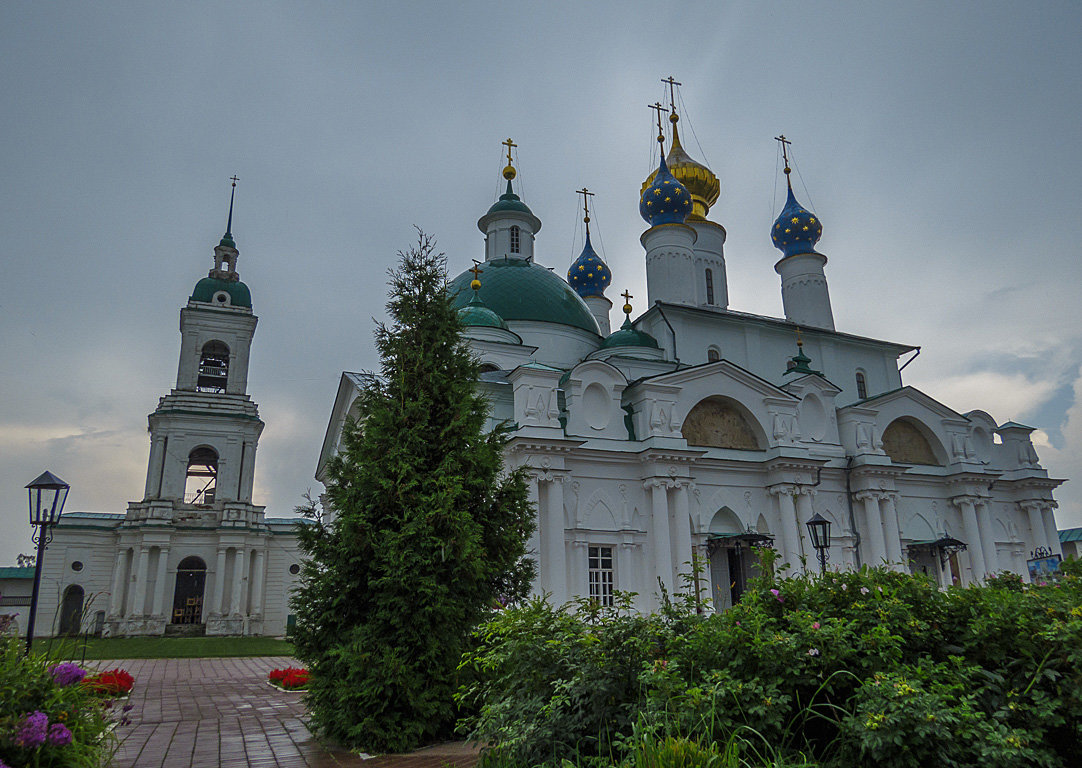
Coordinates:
[188,597]
[71,610]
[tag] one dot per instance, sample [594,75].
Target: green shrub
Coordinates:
[856,668]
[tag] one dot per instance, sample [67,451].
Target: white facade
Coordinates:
[709,429]
[195,555]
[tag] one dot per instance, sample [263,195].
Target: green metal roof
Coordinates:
[516,289]
[238,292]
[15,572]
[509,201]
[1070,534]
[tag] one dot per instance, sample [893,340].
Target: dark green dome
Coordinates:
[509,201]
[516,289]
[629,337]
[239,295]
[476,314]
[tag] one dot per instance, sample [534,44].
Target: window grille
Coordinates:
[862,386]
[602,575]
[709,287]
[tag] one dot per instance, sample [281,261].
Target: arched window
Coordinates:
[515,239]
[862,386]
[709,287]
[213,367]
[713,355]
[202,477]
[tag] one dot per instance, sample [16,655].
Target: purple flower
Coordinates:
[31,731]
[815,625]
[67,673]
[59,735]
[777,594]
[128,707]
[863,590]
[813,651]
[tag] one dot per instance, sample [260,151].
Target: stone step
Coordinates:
[185,630]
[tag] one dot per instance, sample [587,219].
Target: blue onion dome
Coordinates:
[589,275]
[476,314]
[666,201]
[797,229]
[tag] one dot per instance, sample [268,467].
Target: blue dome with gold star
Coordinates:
[666,201]
[797,229]
[589,275]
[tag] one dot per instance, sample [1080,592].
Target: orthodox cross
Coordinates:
[784,150]
[509,144]
[660,134]
[586,195]
[476,269]
[627,301]
[234,179]
[672,91]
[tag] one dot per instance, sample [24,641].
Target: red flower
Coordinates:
[115,682]
[289,678]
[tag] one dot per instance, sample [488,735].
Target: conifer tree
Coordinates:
[427,532]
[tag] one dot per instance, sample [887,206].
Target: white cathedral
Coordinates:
[195,556]
[695,428]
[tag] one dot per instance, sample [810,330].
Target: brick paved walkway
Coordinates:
[200,713]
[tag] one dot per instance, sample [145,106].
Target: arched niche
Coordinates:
[725,521]
[907,441]
[71,610]
[719,422]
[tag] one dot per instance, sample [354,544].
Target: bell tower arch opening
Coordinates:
[213,367]
[201,479]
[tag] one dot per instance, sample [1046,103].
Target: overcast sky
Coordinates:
[938,143]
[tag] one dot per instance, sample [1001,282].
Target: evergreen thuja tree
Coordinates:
[427,530]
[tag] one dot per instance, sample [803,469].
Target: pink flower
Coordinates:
[845,587]
[777,593]
[815,625]
[863,590]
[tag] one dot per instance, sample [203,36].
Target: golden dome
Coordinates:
[699,180]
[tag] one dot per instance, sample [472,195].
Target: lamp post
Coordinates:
[47,496]
[819,528]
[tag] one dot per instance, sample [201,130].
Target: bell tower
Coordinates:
[204,433]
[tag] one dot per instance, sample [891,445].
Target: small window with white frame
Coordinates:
[862,386]
[602,575]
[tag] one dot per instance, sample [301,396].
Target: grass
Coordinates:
[162,647]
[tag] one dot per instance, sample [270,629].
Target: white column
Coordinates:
[659,498]
[578,584]
[787,522]
[553,541]
[1050,530]
[257,583]
[973,536]
[1036,523]
[682,532]
[116,608]
[988,536]
[159,582]
[876,552]
[804,513]
[219,583]
[238,581]
[137,596]
[892,532]
[533,547]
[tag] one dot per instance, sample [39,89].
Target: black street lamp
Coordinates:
[819,528]
[47,496]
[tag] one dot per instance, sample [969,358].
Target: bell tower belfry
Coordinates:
[205,431]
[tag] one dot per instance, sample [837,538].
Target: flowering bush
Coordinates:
[48,718]
[290,678]
[115,682]
[874,667]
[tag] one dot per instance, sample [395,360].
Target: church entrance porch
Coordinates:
[733,563]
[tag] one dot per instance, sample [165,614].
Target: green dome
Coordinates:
[509,201]
[629,337]
[516,289]
[239,295]
[477,314]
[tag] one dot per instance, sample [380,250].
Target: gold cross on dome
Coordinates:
[672,91]
[234,179]
[627,296]
[659,108]
[509,144]
[784,150]
[586,195]
[476,269]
